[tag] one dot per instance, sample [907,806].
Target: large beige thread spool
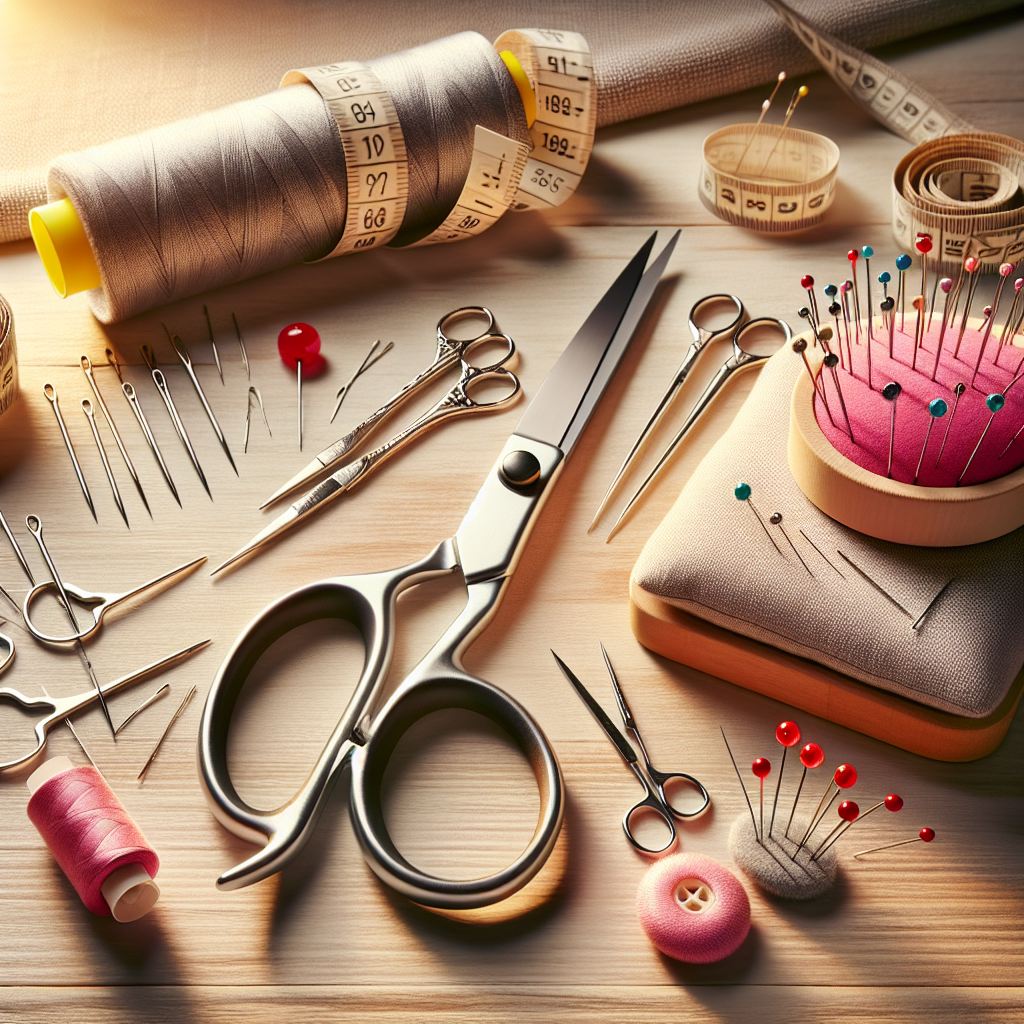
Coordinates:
[8,358]
[264,184]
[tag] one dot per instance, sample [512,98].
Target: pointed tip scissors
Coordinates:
[98,604]
[655,800]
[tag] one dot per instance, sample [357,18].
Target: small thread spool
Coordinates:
[693,908]
[98,846]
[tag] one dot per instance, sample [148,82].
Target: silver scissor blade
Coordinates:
[611,730]
[555,409]
[617,349]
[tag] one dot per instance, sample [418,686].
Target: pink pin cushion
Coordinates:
[693,909]
[847,478]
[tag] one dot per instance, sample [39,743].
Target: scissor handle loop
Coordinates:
[661,778]
[472,376]
[704,334]
[457,316]
[742,355]
[95,604]
[651,804]
[28,704]
[369,763]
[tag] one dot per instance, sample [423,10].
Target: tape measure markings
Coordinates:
[560,70]
[490,188]
[502,174]
[796,195]
[376,161]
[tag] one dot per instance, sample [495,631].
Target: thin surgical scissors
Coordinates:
[655,801]
[98,604]
[458,402]
[449,352]
[56,709]
[702,338]
[739,360]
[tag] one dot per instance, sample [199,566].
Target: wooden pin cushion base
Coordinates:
[675,634]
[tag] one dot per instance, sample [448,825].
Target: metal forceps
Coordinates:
[449,352]
[656,800]
[738,361]
[702,338]
[98,604]
[56,709]
[458,402]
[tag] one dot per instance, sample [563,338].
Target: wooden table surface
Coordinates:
[924,934]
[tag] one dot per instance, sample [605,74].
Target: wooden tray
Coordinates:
[676,634]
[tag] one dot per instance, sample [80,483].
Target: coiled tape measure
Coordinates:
[554,74]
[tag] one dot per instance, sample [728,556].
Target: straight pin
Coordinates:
[800,346]
[776,520]
[937,408]
[253,392]
[750,806]
[807,283]
[160,742]
[853,256]
[889,308]
[133,402]
[811,757]
[797,97]
[885,593]
[903,262]
[367,362]
[867,252]
[1011,316]
[958,390]
[926,835]
[946,285]
[1005,270]
[764,110]
[830,361]
[844,292]
[742,492]
[971,264]
[995,402]
[924,246]
[788,734]
[891,392]
[822,553]
[148,702]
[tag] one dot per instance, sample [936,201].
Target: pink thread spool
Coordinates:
[98,846]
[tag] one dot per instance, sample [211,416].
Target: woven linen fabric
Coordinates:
[711,557]
[73,75]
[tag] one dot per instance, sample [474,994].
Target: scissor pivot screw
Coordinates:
[520,469]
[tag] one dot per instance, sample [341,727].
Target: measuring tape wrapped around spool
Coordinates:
[793,188]
[269,182]
[960,186]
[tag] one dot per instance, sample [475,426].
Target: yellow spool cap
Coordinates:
[64,248]
[515,69]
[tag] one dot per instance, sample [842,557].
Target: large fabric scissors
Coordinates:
[459,401]
[656,800]
[55,709]
[741,332]
[485,549]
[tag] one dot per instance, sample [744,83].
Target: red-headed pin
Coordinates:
[811,756]
[971,265]
[843,778]
[923,246]
[761,767]
[853,256]
[848,812]
[1005,270]
[788,734]
[946,284]
[807,283]
[926,835]
[893,802]
[299,344]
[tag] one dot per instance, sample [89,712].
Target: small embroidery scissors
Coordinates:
[56,709]
[737,329]
[656,800]
[458,402]
[98,604]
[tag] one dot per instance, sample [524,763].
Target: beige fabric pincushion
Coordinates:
[711,557]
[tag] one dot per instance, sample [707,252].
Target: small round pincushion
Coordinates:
[772,866]
[955,474]
[693,909]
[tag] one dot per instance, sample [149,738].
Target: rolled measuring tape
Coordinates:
[965,192]
[960,186]
[8,358]
[768,178]
[554,75]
